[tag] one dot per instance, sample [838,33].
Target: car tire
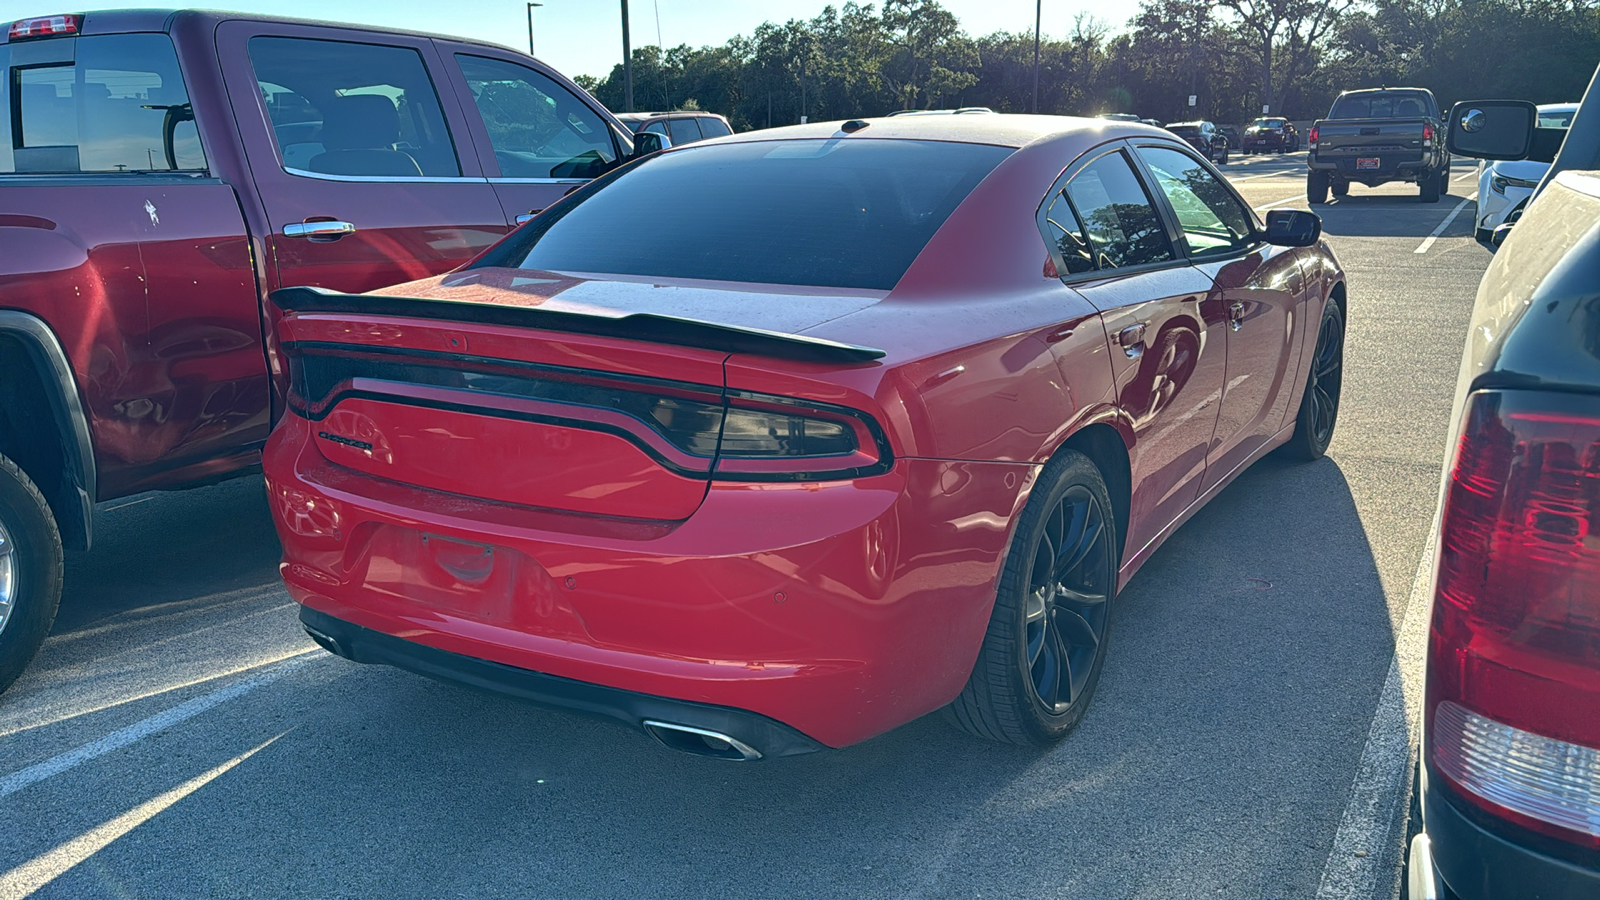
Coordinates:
[1048,609]
[1317,186]
[1339,187]
[1224,158]
[1484,235]
[1319,403]
[1428,188]
[31,569]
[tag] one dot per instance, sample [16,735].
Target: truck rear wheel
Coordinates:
[30,570]
[1317,186]
[1341,188]
[1428,187]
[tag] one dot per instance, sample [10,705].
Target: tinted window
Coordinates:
[1211,219]
[1063,230]
[718,128]
[1121,222]
[1185,130]
[342,108]
[828,213]
[683,131]
[1550,119]
[657,127]
[537,127]
[1387,105]
[121,107]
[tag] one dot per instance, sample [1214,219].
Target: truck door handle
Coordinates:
[525,218]
[324,229]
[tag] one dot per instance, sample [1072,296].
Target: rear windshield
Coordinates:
[1382,105]
[828,213]
[1185,130]
[1268,123]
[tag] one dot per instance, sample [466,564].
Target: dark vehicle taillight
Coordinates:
[45,26]
[1513,710]
[1427,133]
[1311,139]
[766,438]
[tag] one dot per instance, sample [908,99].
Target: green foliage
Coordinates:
[1232,55]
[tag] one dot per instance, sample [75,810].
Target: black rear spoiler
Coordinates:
[634,326]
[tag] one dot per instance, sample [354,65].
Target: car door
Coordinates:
[364,166]
[538,138]
[1111,245]
[1258,286]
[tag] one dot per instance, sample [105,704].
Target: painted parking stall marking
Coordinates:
[1428,241]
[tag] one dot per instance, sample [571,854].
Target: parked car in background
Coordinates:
[1232,134]
[1271,134]
[1509,779]
[160,172]
[761,479]
[1204,137]
[1120,117]
[681,127]
[1503,185]
[1154,123]
[1376,136]
[963,111]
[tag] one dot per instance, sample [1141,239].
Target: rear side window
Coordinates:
[1122,224]
[538,128]
[119,106]
[342,108]
[826,213]
[1063,230]
[1390,105]
[683,131]
[717,128]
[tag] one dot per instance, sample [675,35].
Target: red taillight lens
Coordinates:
[1515,641]
[1427,132]
[1313,136]
[45,26]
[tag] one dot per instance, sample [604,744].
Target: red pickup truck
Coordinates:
[161,172]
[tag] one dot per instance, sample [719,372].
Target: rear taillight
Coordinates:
[45,26]
[1514,661]
[1427,133]
[1311,139]
[767,438]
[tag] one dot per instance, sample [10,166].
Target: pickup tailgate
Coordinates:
[1341,139]
[481,388]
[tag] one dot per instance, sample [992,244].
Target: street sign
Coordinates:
[1193,98]
[1265,109]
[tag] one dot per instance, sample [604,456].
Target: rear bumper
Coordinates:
[1479,864]
[1270,142]
[839,609]
[1406,170]
[364,645]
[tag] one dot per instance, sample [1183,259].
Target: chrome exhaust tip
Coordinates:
[326,642]
[701,742]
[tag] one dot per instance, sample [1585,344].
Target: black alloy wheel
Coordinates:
[1045,645]
[1319,405]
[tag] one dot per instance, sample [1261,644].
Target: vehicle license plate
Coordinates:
[1367,162]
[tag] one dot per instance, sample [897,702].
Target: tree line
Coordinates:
[1233,56]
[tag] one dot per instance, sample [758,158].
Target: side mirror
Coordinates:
[1491,129]
[1293,228]
[648,142]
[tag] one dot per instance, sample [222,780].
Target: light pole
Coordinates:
[627,62]
[1038,19]
[530,27]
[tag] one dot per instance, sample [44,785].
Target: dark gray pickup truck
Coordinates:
[1376,136]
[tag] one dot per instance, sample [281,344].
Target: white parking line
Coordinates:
[122,737]
[1278,174]
[1428,241]
[52,864]
[1266,206]
[1358,863]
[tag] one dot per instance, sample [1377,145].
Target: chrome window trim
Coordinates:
[498,180]
[389,179]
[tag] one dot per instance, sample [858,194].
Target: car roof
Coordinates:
[641,116]
[1196,123]
[999,129]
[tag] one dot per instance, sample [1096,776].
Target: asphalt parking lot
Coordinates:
[180,737]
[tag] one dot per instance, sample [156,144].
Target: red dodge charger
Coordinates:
[775,442]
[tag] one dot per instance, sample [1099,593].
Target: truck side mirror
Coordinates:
[1293,228]
[1492,129]
[648,142]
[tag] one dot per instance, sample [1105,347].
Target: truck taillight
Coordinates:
[1311,139]
[1513,708]
[1427,134]
[45,26]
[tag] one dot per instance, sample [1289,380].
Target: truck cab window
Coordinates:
[538,128]
[121,106]
[340,108]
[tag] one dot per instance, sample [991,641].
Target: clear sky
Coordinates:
[584,37]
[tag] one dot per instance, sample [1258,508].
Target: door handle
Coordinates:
[525,218]
[1132,340]
[1235,314]
[322,229]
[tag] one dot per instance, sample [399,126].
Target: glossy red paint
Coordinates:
[842,607]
